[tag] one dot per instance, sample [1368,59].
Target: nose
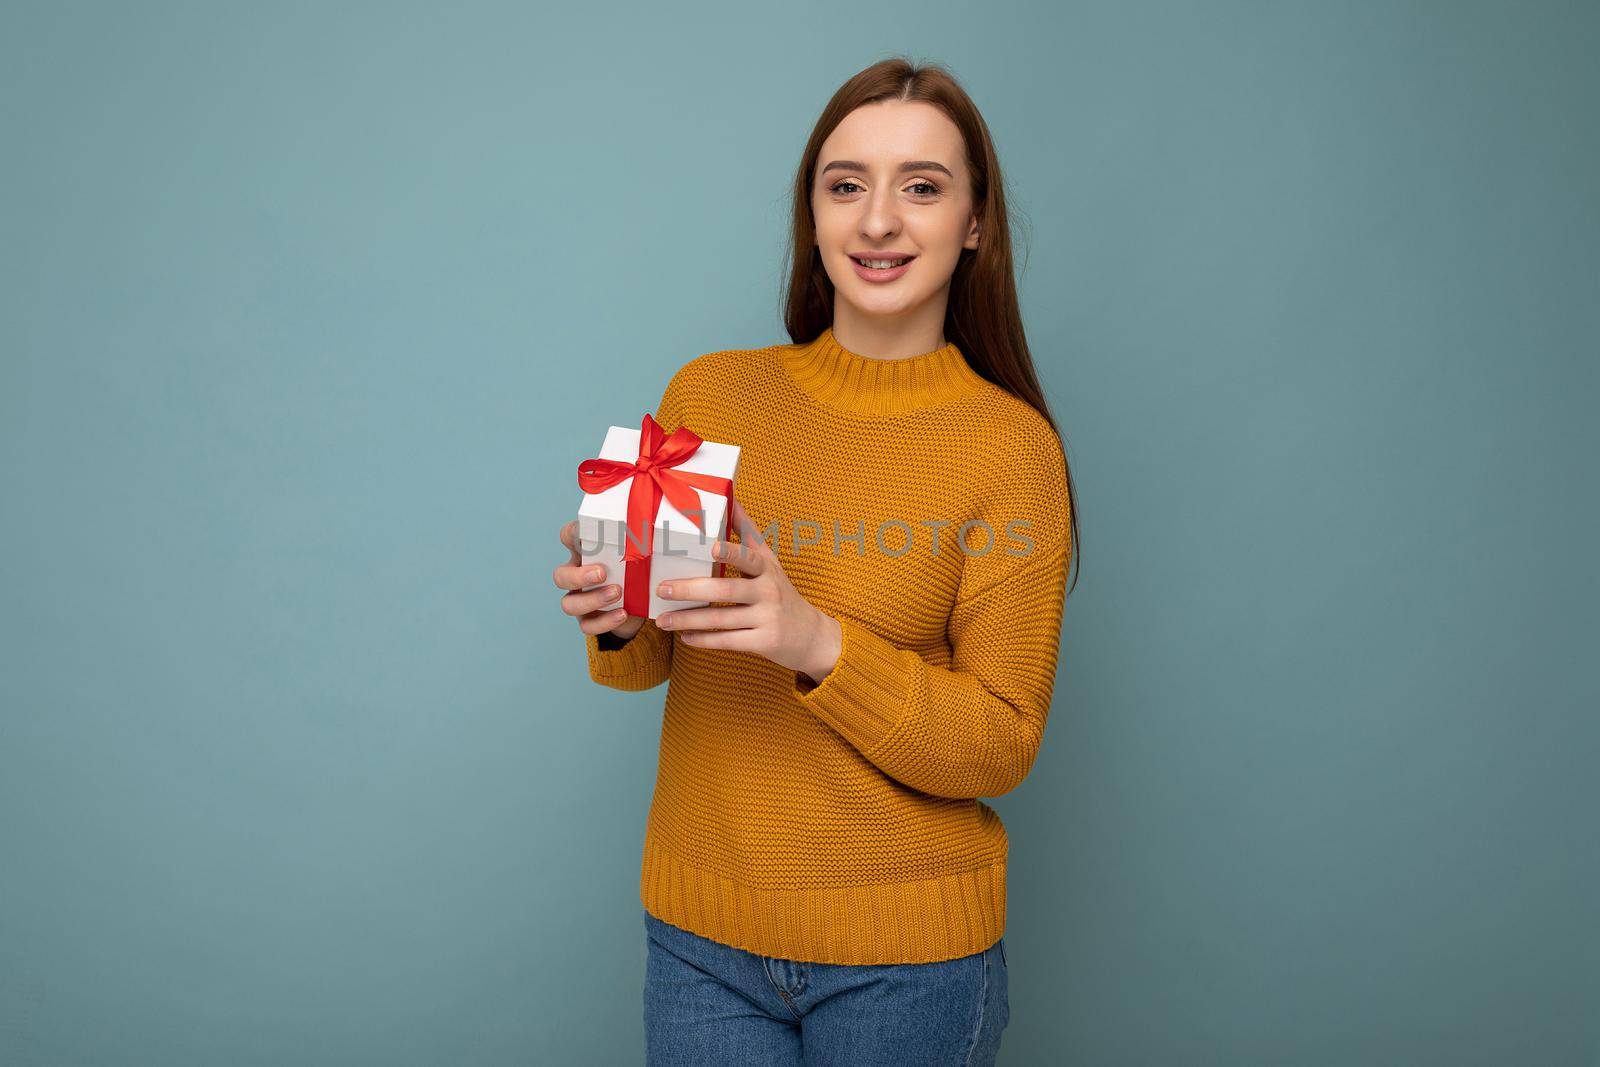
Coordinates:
[881,218]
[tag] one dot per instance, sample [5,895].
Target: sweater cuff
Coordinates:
[642,652]
[862,696]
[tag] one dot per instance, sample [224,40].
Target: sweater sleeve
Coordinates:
[644,661]
[974,728]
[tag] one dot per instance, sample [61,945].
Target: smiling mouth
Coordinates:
[881,264]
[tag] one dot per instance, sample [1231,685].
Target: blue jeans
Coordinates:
[707,1004]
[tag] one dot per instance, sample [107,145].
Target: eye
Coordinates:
[932,189]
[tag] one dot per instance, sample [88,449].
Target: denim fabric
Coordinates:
[708,1004]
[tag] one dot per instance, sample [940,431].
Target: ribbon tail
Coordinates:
[644,496]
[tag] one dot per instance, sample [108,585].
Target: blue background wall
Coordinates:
[309,311]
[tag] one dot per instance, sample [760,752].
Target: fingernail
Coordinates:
[666,590]
[612,592]
[598,574]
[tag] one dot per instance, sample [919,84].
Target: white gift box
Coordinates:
[678,548]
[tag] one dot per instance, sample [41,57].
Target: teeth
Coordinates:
[880,264]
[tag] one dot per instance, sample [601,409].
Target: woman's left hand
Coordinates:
[768,615]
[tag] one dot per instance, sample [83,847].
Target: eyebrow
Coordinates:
[912,164]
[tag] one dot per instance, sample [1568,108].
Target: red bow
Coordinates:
[659,455]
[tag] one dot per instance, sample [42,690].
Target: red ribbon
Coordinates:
[658,456]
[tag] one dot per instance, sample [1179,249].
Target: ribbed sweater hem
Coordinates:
[922,921]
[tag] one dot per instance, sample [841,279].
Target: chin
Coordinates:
[878,303]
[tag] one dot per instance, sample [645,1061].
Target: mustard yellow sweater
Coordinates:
[839,822]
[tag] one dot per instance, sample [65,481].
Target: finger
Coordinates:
[569,537]
[601,622]
[733,590]
[737,640]
[605,598]
[706,619]
[748,533]
[577,576]
[746,559]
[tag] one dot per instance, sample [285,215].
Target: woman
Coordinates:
[820,882]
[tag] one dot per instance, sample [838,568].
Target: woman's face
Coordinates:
[892,181]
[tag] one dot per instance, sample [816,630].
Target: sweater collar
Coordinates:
[867,385]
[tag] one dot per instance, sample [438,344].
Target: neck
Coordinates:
[912,332]
[867,385]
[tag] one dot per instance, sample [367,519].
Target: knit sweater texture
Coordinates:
[840,822]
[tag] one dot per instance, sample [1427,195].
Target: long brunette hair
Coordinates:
[982,317]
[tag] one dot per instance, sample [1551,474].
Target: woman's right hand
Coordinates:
[598,610]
